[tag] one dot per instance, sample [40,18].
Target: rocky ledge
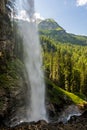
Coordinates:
[75,123]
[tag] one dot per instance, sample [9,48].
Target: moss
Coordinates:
[1,105]
[13,74]
[15,68]
[6,81]
[53,95]
[80,95]
[58,95]
[11,79]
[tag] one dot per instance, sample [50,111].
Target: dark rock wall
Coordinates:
[6,38]
[12,80]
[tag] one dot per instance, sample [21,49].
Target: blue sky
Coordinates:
[70,14]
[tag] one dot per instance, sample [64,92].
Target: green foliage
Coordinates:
[82,96]
[55,96]
[11,80]
[15,68]
[14,72]
[58,95]
[7,81]
[65,64]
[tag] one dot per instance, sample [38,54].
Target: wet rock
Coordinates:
[4,105]
[79,123]
[12,91]
[69,112]
[51,110]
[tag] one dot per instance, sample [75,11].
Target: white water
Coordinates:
[32,59]
[69,112]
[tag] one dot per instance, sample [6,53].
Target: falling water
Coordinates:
[33,61]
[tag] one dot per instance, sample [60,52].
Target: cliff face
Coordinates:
[6,50]
[2,6]
[11,69]
[6,40]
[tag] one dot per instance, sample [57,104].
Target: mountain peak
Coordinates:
[49,24]
[50,20]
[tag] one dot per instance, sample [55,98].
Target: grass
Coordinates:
[61,92]
[59,29]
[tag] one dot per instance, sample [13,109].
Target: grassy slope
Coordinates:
[56,92]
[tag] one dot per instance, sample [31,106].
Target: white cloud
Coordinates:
[81,2]
[38,16]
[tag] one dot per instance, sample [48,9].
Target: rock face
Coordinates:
[2,6]
[12,83]
[6,52]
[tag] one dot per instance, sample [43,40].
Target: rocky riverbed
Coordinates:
[75,123]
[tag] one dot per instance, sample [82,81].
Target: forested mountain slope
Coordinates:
[64,57]
[52,29]
[65,64]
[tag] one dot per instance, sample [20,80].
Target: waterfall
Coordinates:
[24,11]
[33,64]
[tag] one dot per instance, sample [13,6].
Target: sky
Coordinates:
[70,14]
